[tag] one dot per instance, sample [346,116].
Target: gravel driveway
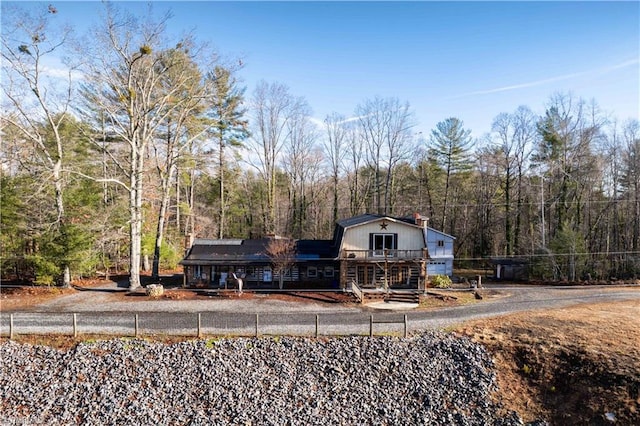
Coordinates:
[97,312]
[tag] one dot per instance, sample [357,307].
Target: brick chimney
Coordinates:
[419,220]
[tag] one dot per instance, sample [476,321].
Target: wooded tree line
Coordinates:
[149,140]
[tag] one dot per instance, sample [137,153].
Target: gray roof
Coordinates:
[224,252]
[357,220]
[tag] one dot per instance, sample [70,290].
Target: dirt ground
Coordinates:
[17,298]
[25,298]
[577,365]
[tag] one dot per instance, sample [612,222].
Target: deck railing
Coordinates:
[384,254]
[357,291]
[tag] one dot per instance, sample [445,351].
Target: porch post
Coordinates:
[343,275]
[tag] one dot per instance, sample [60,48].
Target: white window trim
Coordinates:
[380,252]
[329,272]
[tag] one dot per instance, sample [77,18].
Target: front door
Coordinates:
[267,275]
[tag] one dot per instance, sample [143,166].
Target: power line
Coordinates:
[547,255]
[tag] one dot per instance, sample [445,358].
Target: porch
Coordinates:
[260,277]
[375,275]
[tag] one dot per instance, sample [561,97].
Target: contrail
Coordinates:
[549,80]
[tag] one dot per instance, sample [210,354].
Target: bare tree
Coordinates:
[336,127]
[353,168]
[273,107]
[298,162]
[124,80]
[514,135]
[181,128]
[386,128]
[282,252]
[34,98]
[630,178]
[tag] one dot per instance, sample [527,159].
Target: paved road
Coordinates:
[239,317]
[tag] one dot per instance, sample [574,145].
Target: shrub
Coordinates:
[441,281]
[45,270]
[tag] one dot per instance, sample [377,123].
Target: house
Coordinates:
[440,247]
[212,263]
[370,250]
[378,251]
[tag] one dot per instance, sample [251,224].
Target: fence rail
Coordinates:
[199,324]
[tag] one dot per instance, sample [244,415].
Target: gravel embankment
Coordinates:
[431,379]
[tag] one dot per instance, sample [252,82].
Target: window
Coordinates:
[440,243]
[312,272]
[328,271]
[382,242]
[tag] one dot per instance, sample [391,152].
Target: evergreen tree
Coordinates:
[229,128]
[450,146]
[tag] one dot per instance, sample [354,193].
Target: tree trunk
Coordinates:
[66,277]
[135,228]
[446,199]
[178,200]
[162,214]
[192,205]
[57,182]
[335,199]
[507,214]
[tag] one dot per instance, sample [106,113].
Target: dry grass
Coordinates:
[570,365]
[443,299]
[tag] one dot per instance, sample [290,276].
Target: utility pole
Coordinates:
[544,244]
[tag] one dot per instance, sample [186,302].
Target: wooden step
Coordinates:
[404,296]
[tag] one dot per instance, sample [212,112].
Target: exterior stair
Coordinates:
[403,296]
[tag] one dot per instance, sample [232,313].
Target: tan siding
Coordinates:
[409,237]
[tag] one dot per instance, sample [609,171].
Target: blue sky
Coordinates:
[471,60]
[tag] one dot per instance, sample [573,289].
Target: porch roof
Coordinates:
[252,251]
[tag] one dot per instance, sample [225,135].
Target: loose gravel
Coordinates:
[434,378]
